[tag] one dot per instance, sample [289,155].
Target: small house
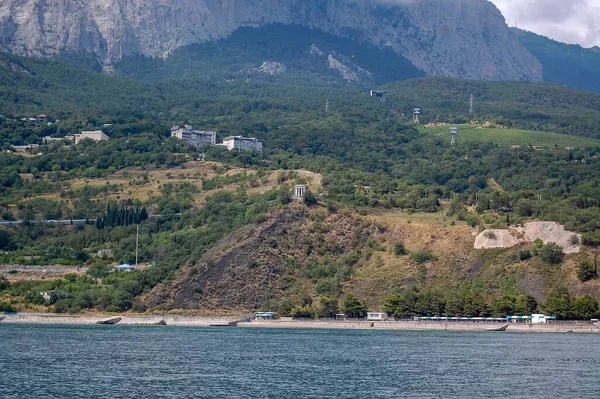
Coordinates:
[377,316]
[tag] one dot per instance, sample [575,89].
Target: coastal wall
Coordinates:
[138,320]
[425,326]
[198,321]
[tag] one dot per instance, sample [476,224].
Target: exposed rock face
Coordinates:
[548,232]
[272,68]
[460,38]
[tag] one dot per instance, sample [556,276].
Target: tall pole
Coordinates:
[137,243]
[471,105]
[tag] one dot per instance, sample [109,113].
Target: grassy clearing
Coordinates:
[511,137]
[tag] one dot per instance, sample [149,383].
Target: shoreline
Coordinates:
[286,323]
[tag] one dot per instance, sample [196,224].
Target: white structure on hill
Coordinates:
[299,191]
[96,135]
[197,138]
[242,143]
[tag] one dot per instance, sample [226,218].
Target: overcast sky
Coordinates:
[569,21]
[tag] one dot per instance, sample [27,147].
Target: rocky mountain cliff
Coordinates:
[459,38]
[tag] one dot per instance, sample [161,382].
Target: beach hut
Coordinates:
[376,316]
[264,315]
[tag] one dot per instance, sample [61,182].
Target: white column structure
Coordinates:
[300,191]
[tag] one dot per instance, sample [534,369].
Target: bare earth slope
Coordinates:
[458,38]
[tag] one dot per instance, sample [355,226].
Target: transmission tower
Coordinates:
[453,131]
[471,105]
[416,113]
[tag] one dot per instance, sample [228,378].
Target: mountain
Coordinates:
[567,64]
[285,52]
[458,38]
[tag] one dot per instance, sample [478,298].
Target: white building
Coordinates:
[242,143]
[299,191]
[96,135]
[197,138]
[374,316]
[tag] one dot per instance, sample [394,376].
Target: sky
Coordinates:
[569,21]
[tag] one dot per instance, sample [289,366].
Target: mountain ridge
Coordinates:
[430,33]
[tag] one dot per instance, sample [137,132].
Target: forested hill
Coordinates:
[535,106]
[566,64]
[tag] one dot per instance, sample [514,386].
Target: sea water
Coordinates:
[44,361]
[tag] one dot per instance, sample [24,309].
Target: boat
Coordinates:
[112,321]
[2,318]
[501,328]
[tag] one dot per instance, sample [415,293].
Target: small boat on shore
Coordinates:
[112,321]
[501,328]
[2,318]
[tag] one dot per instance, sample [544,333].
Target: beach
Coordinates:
[288,323]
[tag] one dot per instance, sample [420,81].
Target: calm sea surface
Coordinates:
[41,361]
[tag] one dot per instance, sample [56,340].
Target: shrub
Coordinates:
[552,254]
[591,239]
[489,235]
[7,307]
[400,249]
[310,198]
[422,257]
[4,284]
[525,255]
[586,271]
[303,312]
[574,240]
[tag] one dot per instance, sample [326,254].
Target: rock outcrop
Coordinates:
[548,232]
[459,38]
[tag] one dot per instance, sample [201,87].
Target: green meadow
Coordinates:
[510,137]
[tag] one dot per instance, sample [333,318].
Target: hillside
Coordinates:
[531,106]
[268,265]
[303,55]
[477,133]
[569,65]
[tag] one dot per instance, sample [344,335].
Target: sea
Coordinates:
[58,361]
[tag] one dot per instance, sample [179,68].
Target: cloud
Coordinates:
[571,21]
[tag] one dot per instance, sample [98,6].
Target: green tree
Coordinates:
[354,307]
[310,198]
[559,303]
[329,307]
[7,307]
[586,307]
[4,283]
[98,271]
[300,312]
[586,271]
[552,253]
